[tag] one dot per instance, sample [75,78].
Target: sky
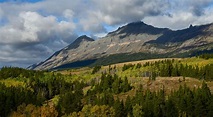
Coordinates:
[32,30]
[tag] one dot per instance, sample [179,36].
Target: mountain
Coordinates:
[133,41]
[78,41]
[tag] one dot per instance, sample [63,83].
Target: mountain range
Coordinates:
[134,41]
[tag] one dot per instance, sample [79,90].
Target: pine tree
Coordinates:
[170,109]
[125,85]
[128,106]
[119,109]
[116,86]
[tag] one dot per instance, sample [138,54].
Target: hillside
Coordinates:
[134,41]
[113,90]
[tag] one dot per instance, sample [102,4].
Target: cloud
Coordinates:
[93,15]
[1,13]
[197,7]
[31,27]
[176,21]
[32,31]
[68,14]
[182,13]
[117,12]
[32,36]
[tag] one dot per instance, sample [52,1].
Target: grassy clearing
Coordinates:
[81,74]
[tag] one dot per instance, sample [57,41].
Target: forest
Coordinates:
[99,91]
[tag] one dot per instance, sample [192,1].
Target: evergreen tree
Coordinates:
[116,86]
[125,85]
[128,107]
[119,109]
[170,109]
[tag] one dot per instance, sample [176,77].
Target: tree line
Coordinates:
[172,68]
[205,56]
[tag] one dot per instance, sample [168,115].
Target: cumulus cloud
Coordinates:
[33,36]
[31,27]
[122,11]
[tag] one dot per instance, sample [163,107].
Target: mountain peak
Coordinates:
[84,38]
[138,27]
[137,23]
[79,40]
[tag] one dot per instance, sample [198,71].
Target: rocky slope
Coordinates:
[136,37]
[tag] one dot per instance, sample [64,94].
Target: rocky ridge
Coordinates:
[136,37]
